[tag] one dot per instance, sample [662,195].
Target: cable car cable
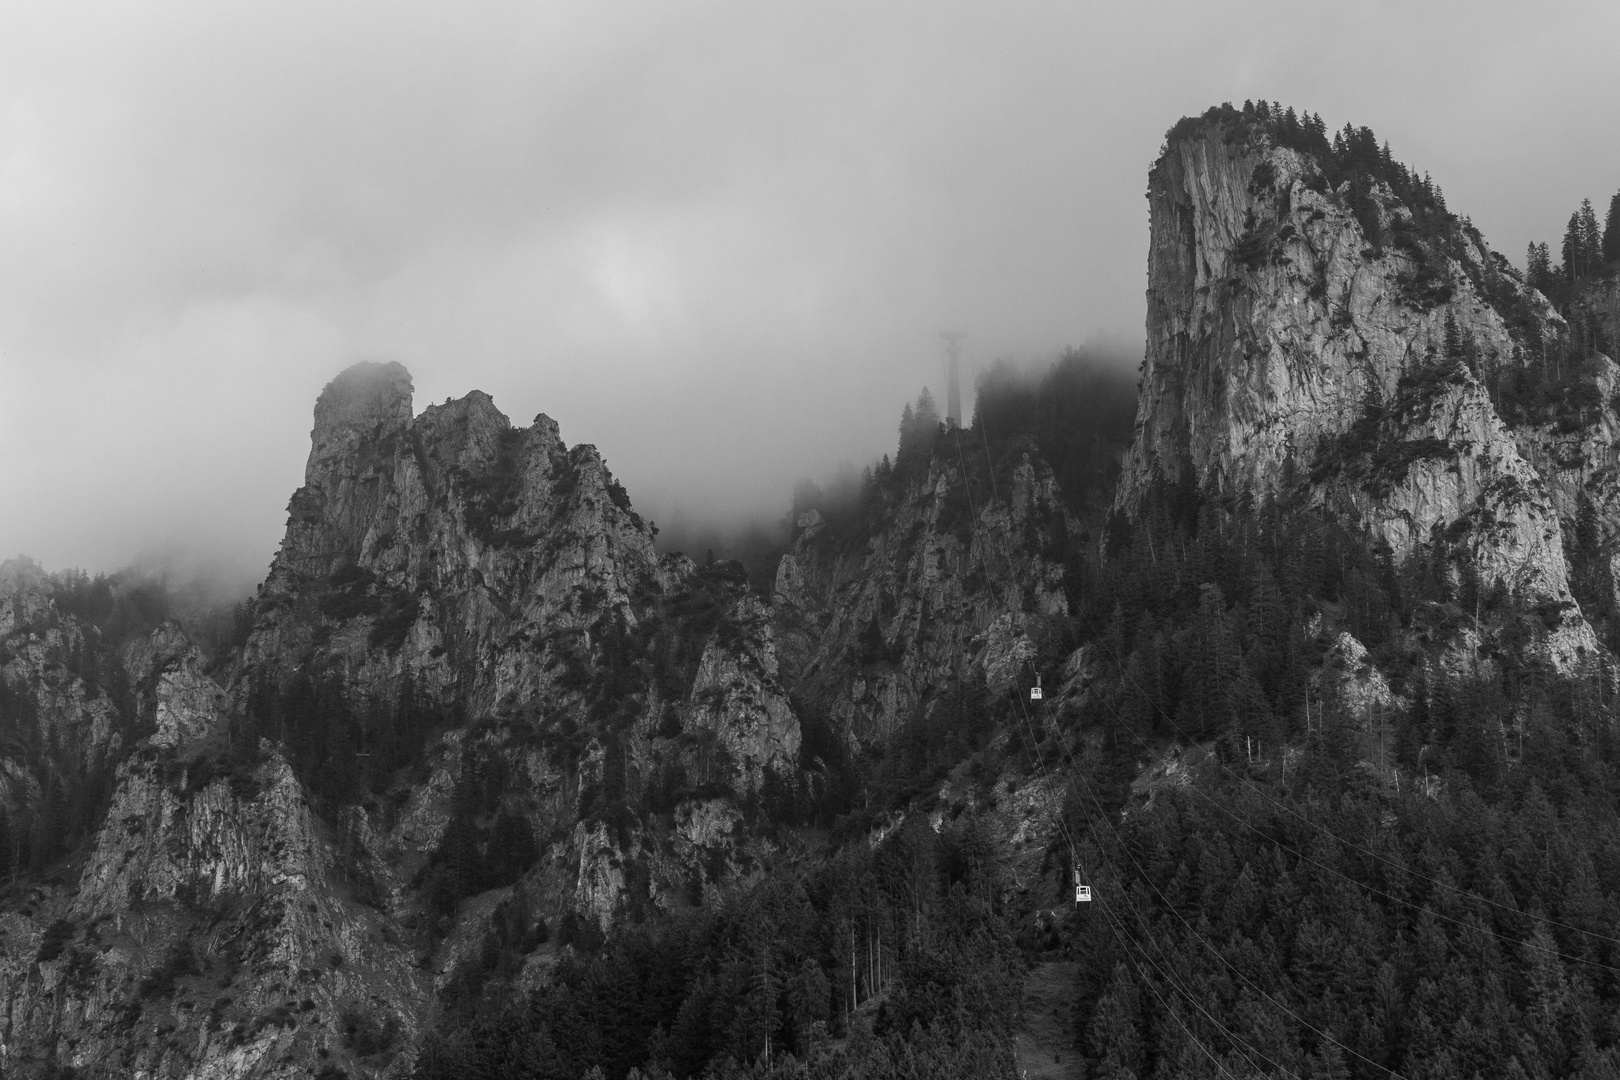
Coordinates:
[1120,843]
[1124,672]
[1243,1048]
[1369,888]
[1154,990]
[1115,924]
[1069,839]
[1149,931]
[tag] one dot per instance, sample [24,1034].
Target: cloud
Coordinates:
[718,240]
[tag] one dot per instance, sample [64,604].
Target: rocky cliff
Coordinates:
[1312,329]
[471,687]
[960,582]
[210,931]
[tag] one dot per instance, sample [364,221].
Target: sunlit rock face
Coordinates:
[1287,352]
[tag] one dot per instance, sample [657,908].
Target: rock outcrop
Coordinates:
[957,581]
[209,932]
[1333,340]
[471,682]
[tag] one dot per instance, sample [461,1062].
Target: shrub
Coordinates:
[161,982]
[57,935]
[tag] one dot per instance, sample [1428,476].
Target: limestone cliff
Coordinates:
[504,583]
[471,687]
[1312,331]
[210,932]
[962,578]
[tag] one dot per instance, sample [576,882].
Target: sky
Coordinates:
[717,240]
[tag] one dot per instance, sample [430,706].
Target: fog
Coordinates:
[718,240]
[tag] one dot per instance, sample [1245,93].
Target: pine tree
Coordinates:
[1215,670]
[1538,267]
[927,412]
[1591,239]
[1583,244]
[1115,1032]
[1572,249]
[1611,231]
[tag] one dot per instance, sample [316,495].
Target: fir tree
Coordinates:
[1572,249]
[1115,1033]
[1591,238]
[928,414]
[1538,268]
[1583,244]
[1611,231]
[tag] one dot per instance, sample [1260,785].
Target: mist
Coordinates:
[719,241]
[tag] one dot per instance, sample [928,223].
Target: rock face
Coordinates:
[59,692]
[210,931]
[1595,310]
[1309,338]
[499,577]
[433,544]
[738,695]
[471,686]
[958,581]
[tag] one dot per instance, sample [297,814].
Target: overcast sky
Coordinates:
[718,240]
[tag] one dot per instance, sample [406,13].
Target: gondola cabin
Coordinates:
[1035,691]
[1082,893]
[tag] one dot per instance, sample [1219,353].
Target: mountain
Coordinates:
[471,709]
[1319,326]
[482,783]
[471,600]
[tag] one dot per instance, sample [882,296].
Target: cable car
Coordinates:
[1082,893]
[1035,691]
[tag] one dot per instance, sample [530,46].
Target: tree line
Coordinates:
[1587,251]
[891,960]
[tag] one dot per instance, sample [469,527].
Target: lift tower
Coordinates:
[953,379]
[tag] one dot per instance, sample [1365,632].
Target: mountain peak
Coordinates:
[364,394]
[1321,327]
